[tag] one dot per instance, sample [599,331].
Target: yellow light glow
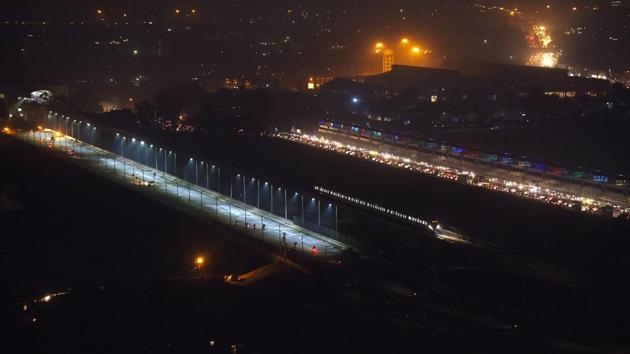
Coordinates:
[379,45]
[544,59]
[193,11]
[548,60]
[199,261]
[39,127]
[404,40]
[415,50]
[99,12]
[542,36]
[177,11]
[6,129]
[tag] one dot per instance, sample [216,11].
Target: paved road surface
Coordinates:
[229,211]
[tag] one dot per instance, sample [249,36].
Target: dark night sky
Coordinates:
[36,9]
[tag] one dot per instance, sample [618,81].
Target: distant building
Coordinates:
[484,78]
[388,60]
[401,77]
[236,83]
[316,82]
[14,89]
[26,97]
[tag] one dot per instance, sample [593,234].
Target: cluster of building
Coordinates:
[466,79]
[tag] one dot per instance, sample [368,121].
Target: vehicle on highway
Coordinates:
[140,182]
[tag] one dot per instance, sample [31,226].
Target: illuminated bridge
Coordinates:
[74,139]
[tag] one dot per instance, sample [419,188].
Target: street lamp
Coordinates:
[244,193]
[196,173]
[378,47]
[145,153]
[302,206]
[286,207]
[199,262]
[207,176]
[155,157]
[122,149]
[258,190]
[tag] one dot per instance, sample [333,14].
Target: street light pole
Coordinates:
[244,192]
[122,149]
[219,179]
[79,138]
[258,198]
[302,199]
[286,208]
[319,211]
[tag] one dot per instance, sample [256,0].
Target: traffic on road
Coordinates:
[529,190]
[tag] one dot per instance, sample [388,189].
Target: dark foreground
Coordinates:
[125,263]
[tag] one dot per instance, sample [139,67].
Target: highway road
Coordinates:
[254,222]
[555,192]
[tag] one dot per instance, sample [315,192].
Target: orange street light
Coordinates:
[378,47]
[177,11]
[199,261]
[415,50]
[404,40]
